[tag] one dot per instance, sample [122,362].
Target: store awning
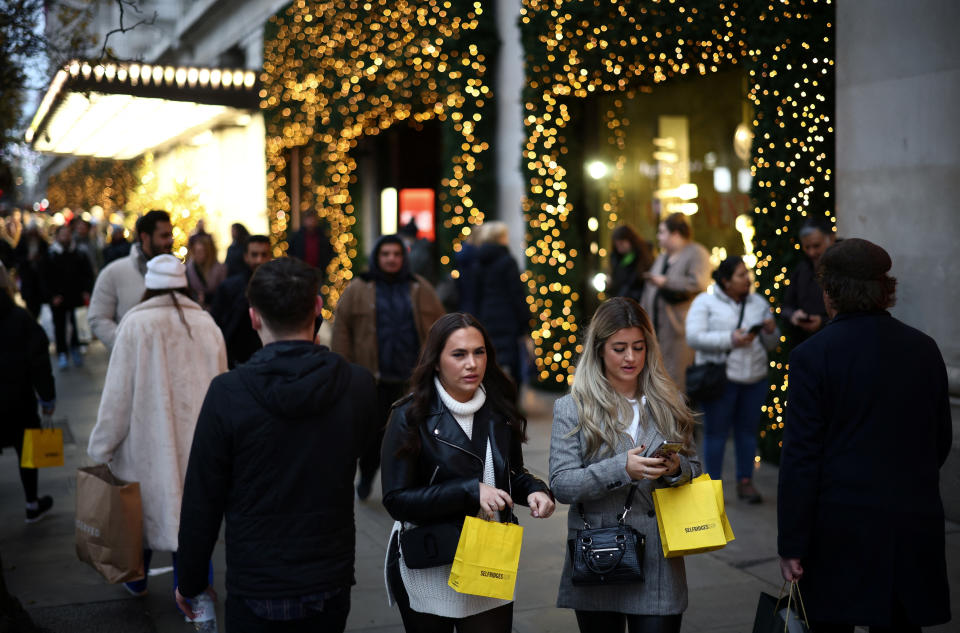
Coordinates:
[121,110]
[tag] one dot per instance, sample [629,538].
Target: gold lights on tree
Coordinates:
[338,71]
[575,49]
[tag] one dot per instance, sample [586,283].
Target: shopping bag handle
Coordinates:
[789,597]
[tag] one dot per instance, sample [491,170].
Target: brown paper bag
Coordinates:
[109,524]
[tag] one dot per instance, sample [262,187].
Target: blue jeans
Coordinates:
[739,408]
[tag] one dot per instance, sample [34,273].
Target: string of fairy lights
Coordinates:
[575,50]
[335,72]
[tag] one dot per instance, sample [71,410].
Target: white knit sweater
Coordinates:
[427,588]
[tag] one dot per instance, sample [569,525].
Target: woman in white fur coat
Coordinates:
[167,351]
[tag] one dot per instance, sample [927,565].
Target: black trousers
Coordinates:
[333,619]
[613,622]
[28,476]
[61,314]
[387,394]
[499,620]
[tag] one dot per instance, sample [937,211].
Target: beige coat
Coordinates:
[687,276]
[156,382]
[355,319]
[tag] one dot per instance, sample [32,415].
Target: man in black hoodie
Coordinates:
[275,451]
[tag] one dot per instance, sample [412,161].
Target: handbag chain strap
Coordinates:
[626,508]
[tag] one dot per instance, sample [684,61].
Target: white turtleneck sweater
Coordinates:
[427,588]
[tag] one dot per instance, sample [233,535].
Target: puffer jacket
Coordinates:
[712,319]
[442,483]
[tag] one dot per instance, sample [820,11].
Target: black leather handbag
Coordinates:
[706,381]
[430,545]
[607,556]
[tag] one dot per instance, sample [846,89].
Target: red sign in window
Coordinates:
[418,205]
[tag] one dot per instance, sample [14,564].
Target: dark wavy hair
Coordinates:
[725,270]
[853,273]
[501,391]
[678,223]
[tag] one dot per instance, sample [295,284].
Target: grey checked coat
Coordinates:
[602,485]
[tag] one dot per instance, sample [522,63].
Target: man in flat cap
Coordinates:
[868,427]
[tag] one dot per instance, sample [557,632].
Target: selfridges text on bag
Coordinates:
[487,558]
[109,524]
[691,517]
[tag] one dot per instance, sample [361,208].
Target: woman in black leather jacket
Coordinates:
[453,449]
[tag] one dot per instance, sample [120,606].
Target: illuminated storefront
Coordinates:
[194,135]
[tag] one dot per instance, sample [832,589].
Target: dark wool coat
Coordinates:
[274,453]
[68,274]
[867,429]
[501,304]
[25,371]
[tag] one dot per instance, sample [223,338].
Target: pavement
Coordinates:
[66,596]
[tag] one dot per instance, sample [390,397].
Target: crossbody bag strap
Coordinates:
[626,508]
[743,308]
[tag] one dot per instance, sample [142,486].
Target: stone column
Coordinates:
[898,165]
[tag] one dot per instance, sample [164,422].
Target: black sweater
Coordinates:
[275,452]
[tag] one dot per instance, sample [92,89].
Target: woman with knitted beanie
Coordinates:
[453,449]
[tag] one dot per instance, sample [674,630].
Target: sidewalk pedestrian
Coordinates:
[238,245]
[380,323]
[678,275]
[69,280]
[803,308]
[204,272]
[453,449]
[731,325]
[25,373]
[867,431]
[120,285]
[118,247]
[605,438]
[31,255]
[274,453]
[311,242]
[230,308]
[631,257]
[166,353]
[501,297]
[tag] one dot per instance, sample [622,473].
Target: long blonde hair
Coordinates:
[604,414]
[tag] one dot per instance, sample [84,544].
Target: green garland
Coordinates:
[337,71]
[575,49]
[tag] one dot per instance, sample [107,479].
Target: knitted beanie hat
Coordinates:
[165,272]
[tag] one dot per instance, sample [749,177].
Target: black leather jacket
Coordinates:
[442,483]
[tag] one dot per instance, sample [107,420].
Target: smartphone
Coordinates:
[666,448]
[755,329]
[806,319]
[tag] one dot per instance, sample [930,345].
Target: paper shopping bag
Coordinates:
[691,517]
[109,524]
[42,448]
[487,559]
[781,615]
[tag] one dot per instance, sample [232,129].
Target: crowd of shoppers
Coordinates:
[272,446]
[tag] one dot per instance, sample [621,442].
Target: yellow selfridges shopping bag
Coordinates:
[42,448]
[487,559]
[691,517]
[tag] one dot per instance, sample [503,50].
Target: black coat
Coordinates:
[68,274]
[501,303]
[867,429]
[448,459]
[24,371]
[275,451]
[231,310]
[803,293]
